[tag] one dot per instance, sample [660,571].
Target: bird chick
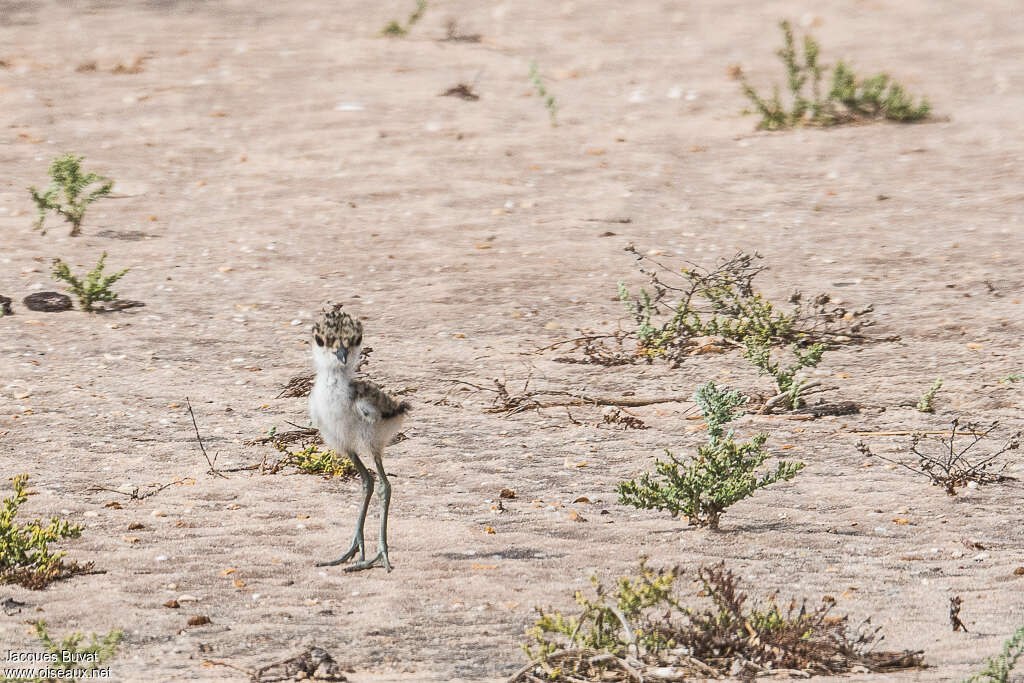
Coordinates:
[355,417]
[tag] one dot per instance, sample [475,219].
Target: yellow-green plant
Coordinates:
[25,556]
[67,194]
[312,460]
[95,288]
[73,660]
[609,623]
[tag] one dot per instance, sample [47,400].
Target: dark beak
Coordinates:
[342,354]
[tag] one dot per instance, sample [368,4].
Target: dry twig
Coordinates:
[212,463]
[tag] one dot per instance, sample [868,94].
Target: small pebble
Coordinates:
[161,558]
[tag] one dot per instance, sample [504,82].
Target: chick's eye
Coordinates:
[318,339]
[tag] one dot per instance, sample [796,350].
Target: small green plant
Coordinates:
[997,669]
[642,625]
[72,661]
[927,402]
[309,459]
[396,30]
[67,178]
[1013,377]
[848,99]
[95,288]
[549,100]
[325,463]
[723,473]
[759,352]
[25,557]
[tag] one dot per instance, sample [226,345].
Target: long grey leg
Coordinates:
[384,493]
[357,539]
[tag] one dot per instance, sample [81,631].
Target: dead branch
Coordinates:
[952,466]
[134,493]
[298,386]
[211,463]
[298,435]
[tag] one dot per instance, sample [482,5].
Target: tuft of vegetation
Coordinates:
[758,351]
[848,99]
[642,624]
[952,465]
[1013,377]
[722,473]
[67,194]
[997,669]
[25,557]
[396,30]
[686,305]
[95,288]
[549,100]
[73,661]
[927,402]
[311,460]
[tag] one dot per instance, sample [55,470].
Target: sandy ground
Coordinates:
[271,156]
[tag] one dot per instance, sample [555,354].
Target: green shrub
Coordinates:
[722,473]
[848,99]
[67,178]
[25,556]
[95,288]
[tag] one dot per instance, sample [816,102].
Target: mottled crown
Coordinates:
[336,329]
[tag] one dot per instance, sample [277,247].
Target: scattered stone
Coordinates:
[315,663]
[1019,571]
[12,606]
[5,305]
[47,302]
[173,604]
[201,620]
